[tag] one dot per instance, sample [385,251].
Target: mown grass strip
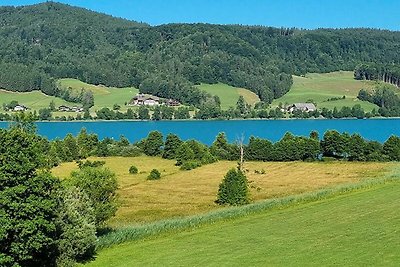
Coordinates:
[139,232]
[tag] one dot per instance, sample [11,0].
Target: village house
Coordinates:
[20,108]
[305,107]
[63,108]
[144,100]
[172,103]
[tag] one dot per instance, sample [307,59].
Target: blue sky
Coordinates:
[310,14]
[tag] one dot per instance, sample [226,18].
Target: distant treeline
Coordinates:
[387,73]
[191,154]
[48,41]
[204,113]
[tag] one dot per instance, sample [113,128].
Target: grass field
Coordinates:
[321,87]
[183,193]
[354,229]
[229,95]
[34,100]
[103,96]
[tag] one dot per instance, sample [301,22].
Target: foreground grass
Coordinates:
[229,95]
[321,87]
[183,193]
[103,96]
[359,228]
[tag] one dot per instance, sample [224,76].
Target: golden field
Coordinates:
[181,193]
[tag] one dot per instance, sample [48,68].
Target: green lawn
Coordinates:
[103,96]
[34,100]
[229,95]
[321,87]
[355,229]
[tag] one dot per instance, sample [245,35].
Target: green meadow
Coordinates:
[352,229]
[321,87]
[313,86]
[35,100]
[229,95]
[103,96]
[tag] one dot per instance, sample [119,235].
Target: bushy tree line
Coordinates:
[385,97]
[46,221]
[387,73]
[48,41]
[191,154]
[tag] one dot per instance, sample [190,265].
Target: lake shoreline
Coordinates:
[211,120]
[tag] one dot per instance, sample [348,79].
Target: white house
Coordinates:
[145,100]
[20,108]
[307,107]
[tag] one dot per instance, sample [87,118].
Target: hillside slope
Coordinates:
[229,95]
[103,96]
[52,40]
[327,90]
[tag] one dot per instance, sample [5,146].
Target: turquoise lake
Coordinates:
[205,131]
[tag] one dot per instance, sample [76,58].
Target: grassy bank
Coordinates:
[326,227]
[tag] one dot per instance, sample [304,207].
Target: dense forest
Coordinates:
[373,71]
[43,42]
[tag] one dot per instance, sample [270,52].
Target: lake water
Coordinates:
[205,131]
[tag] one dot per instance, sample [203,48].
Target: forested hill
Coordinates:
[43,42]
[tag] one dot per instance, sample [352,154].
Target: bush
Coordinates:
[131,151]
[100,184]
[190,165]
[88,163]
[234,189]
[76,222]
[154,175]
[133,170]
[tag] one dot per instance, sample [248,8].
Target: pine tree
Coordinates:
[172,144]
[234,189]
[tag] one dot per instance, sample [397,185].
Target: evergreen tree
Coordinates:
[71,148]
[156,114]
[153,144]
[172,143]
[52,106]
[143,113]
[221,149]
[391,148]
[241,105]
[234,189]
[184,154]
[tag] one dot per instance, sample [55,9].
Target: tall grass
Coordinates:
[138,232]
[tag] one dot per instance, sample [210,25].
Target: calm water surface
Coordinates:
[205,131]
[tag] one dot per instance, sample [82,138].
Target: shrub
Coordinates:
[100,184]
[133,170]
[88,163]
[234,189]
[76,222]
[190,165]
[131,151]
[154,175]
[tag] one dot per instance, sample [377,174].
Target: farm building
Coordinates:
[172,103]
[144,100]
[20,108]
[63,108]
[307,107]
